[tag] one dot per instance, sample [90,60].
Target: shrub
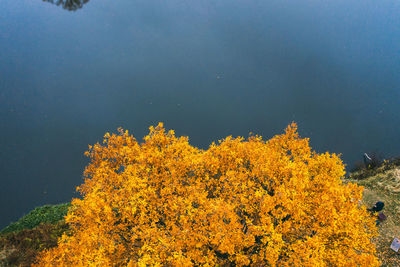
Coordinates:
[44,214]
[376,160]
[358,166]
[22,247]
[241,202]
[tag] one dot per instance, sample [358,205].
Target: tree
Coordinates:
[241,202]
[70,5]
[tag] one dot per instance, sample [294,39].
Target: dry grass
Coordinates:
[383,184]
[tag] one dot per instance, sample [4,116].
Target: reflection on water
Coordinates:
[70,5]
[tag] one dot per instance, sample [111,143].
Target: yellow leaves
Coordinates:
[241,202]
[258,194]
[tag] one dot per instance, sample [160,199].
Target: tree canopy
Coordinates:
[240,202]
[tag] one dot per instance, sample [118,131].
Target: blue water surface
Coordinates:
[206,68]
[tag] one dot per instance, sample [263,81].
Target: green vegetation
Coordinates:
[40,229]
[44,214]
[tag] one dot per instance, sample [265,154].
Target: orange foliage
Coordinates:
[241,202]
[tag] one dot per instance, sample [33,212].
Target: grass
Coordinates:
[383,184]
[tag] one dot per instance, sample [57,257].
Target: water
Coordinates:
[207,69]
